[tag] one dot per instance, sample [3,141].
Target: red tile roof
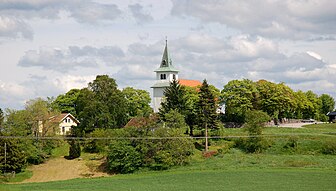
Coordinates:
[190,83]
[60,117]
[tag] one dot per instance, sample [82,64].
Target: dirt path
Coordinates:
[61,169]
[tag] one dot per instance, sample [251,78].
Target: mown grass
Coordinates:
[241,179]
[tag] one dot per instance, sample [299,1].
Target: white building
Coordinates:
[164,75]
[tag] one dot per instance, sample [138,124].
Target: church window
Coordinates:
[163,76]
[174,77]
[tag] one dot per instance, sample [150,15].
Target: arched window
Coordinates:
[174,77]
[163,76]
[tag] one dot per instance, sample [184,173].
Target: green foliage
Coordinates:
[159,152]
[173,119]
[74,149]
[15,159]
[66,103]
[137,102]
[101,105]
[207,107]
[328,105]
[123,158]
[238,96]
[255,121]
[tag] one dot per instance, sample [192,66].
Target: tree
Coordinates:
[255,122]
[239,96]
[1,118]
[207,107]
[101,105]
[137,102]
[314,113]
[277,100]
[66,103]
[173,99]
[328,103]
[15,158]
[174,119]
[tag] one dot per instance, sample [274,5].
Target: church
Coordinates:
[165,74]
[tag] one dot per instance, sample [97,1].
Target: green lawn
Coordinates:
[242,179]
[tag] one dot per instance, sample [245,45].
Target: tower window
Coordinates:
[163,76]
[174,77]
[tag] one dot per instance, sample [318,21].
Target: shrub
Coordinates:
[123,158]
[74,150]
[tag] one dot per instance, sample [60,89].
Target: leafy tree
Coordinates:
[175,120]
[316,102]
[101,105]
[66,103]
[328,103]
[137,102]
[277,100]
[239,96]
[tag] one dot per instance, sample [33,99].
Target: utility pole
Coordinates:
[5,157]
[206,136]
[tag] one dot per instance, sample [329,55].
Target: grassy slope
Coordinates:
[232,171]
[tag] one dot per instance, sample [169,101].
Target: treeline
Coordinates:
[101,105]
[277,100]
[103,110]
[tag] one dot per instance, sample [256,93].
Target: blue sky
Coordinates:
[48,47]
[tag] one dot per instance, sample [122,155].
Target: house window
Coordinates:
[163,76]
[69,120]
[63,130]
[65,120]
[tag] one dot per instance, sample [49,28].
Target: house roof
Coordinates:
[141,121]
[190,83]
[59,118]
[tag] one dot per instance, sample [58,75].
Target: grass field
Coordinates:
[241,179]
[303,169]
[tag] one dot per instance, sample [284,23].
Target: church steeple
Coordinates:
[166,62]
[165,74]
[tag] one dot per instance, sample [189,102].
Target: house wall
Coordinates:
[66,123]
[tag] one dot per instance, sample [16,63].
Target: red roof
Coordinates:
[190,83]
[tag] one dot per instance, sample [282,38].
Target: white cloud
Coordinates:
[139,14]
[14,28]
[289,19]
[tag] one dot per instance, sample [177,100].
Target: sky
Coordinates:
[48,47]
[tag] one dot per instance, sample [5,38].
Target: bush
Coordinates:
[74,150]
[123,158]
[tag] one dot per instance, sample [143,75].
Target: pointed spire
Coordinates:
[166,63]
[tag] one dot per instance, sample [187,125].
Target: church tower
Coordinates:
[164,75]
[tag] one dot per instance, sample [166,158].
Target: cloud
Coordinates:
[277,19]
[14,28]
[139,15]
[16,14]
[74,57]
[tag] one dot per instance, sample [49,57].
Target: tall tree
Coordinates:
[207,107]
[316,102]
[1,118]
[173,99]
[137,102]
[101,105]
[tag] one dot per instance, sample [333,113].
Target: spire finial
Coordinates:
[166,40]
